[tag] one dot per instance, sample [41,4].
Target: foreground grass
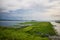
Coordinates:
[37,31]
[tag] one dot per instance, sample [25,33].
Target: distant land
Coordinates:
[11,20]
[57,21]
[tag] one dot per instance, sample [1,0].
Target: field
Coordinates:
[29,31]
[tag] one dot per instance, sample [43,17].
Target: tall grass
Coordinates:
[37,31]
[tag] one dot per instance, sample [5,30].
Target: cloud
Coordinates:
[35,9]
[15,4]
[22,4]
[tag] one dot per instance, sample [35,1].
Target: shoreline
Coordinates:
[56,26]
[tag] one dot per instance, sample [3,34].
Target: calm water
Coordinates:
[10,23]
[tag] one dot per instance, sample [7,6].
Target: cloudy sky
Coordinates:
[30,9]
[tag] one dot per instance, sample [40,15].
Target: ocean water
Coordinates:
[10,23]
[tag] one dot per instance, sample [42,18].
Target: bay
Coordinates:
[10,23]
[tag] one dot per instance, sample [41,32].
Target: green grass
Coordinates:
[37,31]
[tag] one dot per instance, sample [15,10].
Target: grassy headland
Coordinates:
[32,31]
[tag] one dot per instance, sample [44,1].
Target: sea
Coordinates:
[10,23]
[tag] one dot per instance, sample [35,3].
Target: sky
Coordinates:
[30,9]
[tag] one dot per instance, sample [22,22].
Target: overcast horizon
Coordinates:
[30,9]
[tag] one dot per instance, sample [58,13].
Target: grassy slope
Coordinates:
[37,31]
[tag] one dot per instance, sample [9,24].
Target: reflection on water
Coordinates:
[9,23]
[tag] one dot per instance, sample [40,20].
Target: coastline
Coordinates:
[56,27]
